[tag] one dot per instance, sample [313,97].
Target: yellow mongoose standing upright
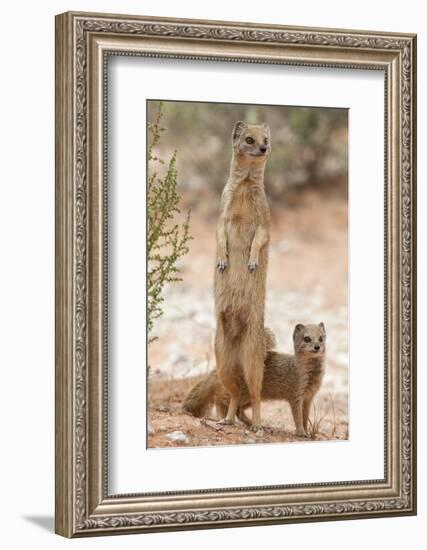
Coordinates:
[241,269]
[294,378]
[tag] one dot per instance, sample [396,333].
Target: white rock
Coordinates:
[177,436]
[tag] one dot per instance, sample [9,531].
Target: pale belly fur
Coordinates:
[236,286]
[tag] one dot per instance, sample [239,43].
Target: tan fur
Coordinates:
[201,396]
[240,277]
[294,378]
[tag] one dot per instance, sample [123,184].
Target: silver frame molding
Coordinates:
[83,43]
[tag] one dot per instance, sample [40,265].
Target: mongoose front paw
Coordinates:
[301,433]
[252,265]
[221,265]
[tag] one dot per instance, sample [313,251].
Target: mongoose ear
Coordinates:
[322,327]
[267,129]
[298,328]
[238,129]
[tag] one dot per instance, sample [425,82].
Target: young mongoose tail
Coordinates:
[241,268]
[202,395]
[295,378]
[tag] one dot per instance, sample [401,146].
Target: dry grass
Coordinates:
[318,414]
[315,420]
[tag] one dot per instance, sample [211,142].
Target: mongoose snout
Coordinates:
[251,140]
[309,339]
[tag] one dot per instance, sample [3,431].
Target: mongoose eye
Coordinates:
[249,140]
[307,339]
[266,141]
[320,338]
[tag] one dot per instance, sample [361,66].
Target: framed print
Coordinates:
[235,274]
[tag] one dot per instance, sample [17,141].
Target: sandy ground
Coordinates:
[307,282]
[171,427]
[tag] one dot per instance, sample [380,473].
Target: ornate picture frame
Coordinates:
[84,42]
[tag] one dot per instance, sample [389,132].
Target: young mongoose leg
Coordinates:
[296,407]
[259,240]
[306,406]
[221,238]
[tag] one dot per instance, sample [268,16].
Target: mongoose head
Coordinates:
[310,340]
[251,142]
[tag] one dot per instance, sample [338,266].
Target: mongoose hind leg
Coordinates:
[296,407]
[241,415]
[221,407]
[230,380]
[232,408]
[227,368]
[253,371]
[306,406]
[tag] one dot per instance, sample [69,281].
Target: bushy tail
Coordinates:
[201,396]
[269,339]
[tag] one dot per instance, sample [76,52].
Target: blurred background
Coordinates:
[306,182]
[309,145]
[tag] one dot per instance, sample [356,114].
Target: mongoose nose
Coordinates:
[316,347]
[263,149]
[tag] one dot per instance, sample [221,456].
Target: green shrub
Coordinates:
[167,240]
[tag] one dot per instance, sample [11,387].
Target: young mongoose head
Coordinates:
[310,340]
[251,142]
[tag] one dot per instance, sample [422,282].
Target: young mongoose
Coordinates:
[295,378]
[241,268]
